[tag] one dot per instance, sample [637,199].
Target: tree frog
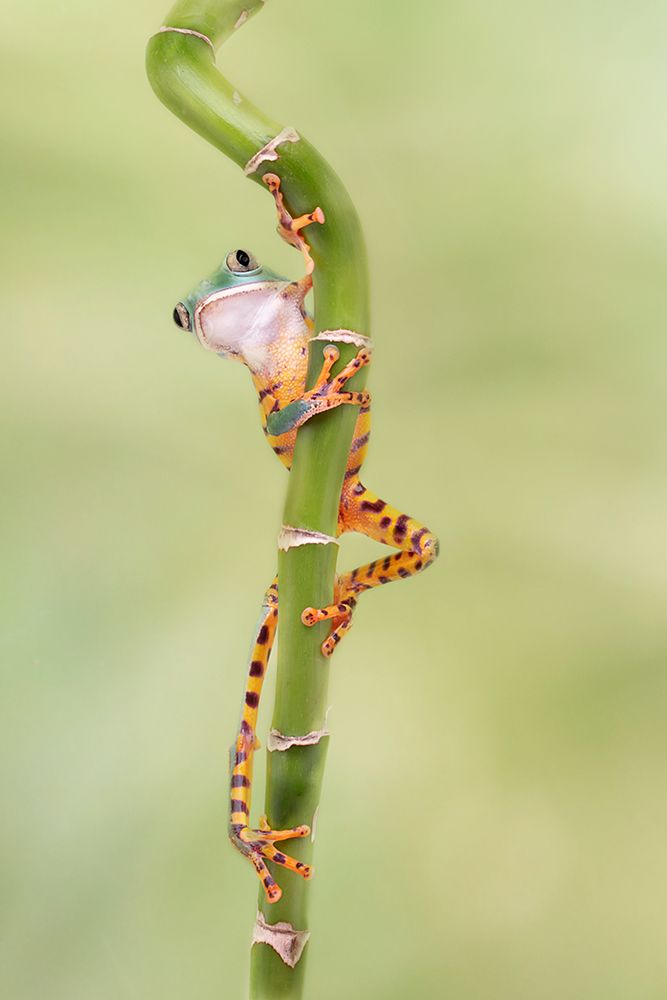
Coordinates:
[246,312]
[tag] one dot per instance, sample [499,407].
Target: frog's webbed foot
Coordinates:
[324,388]
[289,228]
[326,394]
[340,616]
[259,847]
[323,396]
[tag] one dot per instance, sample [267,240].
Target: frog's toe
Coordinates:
[259,847]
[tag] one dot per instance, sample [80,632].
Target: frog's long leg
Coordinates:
[366,513]
[290,228]
[257,845]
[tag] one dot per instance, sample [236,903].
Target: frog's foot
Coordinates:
[258,847]
[325,388]
[339,614]
[362,358]
[331,356]
[322,397]
[289,228]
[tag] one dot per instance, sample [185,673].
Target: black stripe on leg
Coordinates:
[401,527]
[376,506]
[360,442]
[417,537]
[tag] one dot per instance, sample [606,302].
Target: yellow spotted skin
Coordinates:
[247,313]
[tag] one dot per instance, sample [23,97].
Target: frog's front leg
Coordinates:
[258,845]
[290,228]
[323,396]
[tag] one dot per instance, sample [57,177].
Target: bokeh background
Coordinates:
[493,820]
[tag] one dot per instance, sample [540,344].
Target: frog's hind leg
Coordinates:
[365,512]
[258,844]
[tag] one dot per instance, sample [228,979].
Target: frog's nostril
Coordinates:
[181,317]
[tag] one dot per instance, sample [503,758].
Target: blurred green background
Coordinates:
[509,163]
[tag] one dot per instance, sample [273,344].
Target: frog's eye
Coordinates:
[241,262]
[181,316]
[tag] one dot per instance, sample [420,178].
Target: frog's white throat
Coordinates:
[251,323]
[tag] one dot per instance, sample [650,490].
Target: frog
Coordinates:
[246,312]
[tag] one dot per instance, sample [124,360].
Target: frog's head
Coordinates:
[242,308]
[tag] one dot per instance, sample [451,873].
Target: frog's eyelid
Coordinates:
[181,317]
[232,255]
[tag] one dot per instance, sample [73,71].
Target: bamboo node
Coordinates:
[186,31]
[268,152]
[287,942]
[344,337]
[278,741]
[290,538]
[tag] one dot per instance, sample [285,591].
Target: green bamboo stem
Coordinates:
[182,71]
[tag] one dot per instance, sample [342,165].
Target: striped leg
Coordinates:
[258,845]
[366,513]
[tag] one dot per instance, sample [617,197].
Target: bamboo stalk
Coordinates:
[181,69]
